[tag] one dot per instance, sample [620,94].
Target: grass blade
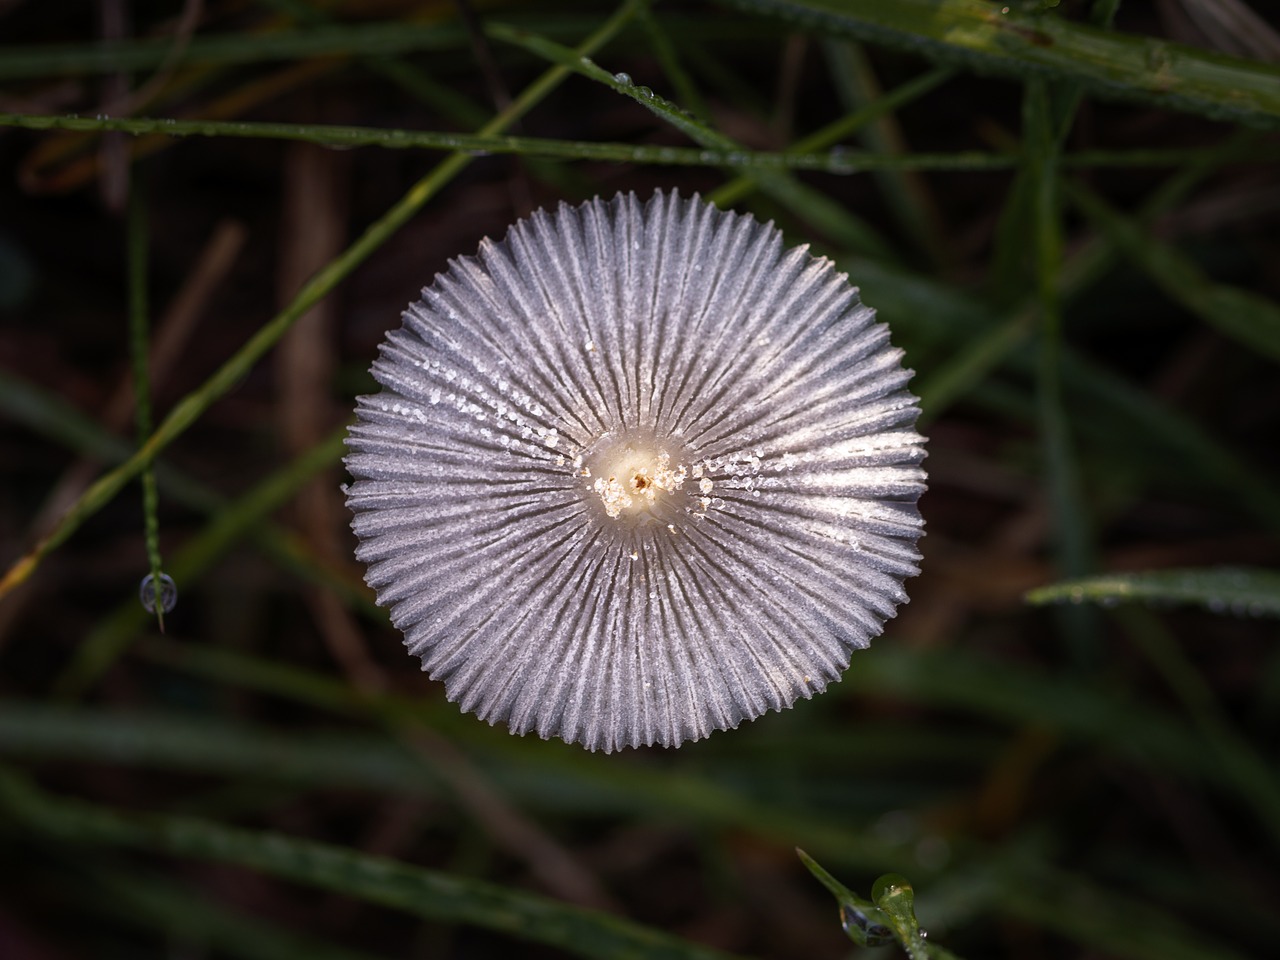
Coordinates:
[425,893]
[1236,590]
[140,352]
[724,154]
[1246,317]
[998,38]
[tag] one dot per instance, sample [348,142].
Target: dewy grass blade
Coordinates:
[830,218]
[1238,590]
[193,406]
[725,155]
[733,191]
[375,763]
[154,584]
[669,59]
[1002,38]
[52,417]
[37,731]
[424,893]
[111,637]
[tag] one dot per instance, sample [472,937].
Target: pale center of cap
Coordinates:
[636,478]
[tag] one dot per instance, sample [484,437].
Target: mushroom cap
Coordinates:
[637,473]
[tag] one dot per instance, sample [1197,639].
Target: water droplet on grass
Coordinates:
[862,929]
[168,593]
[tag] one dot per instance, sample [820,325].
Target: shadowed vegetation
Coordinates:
[1067,213]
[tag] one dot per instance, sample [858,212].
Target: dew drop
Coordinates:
[861,929]
[168,593]
[622,78]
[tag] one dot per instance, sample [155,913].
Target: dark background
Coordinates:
[1057,782]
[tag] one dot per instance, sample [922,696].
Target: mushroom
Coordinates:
[637,473]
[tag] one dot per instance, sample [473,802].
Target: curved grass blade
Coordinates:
[864,923]
[818,209]
[1238,590]
[846,126]
[424,893]
[1246,317]
[1001,38]
[891,918]
[542,774]
[195,921]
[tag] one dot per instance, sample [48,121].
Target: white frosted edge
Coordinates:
[759,513]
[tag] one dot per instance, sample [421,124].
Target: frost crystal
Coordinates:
[637,473]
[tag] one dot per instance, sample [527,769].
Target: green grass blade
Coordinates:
[1005,39]
[528,769]
[906,196]
[723,155]
[895,897]
[198,923]
[1147,428]
[424,893]
[51,416]
[864,923]
[891,918]
[984,348]
[372,40]
[830,218]
[669,59]
[846,126]
[1071,526]
[171,741]
[101,648]
[380,39]
[1246,317]
[1010,695]
[139,354]
[1238,590]
[1069,707]
[1072,708]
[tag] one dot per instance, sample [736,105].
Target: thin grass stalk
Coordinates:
[983,353]
[111,637]
[1070,523]
[725,154]
[742,186]
[423,893]
[827,217]
[1026,41]
[139,350]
